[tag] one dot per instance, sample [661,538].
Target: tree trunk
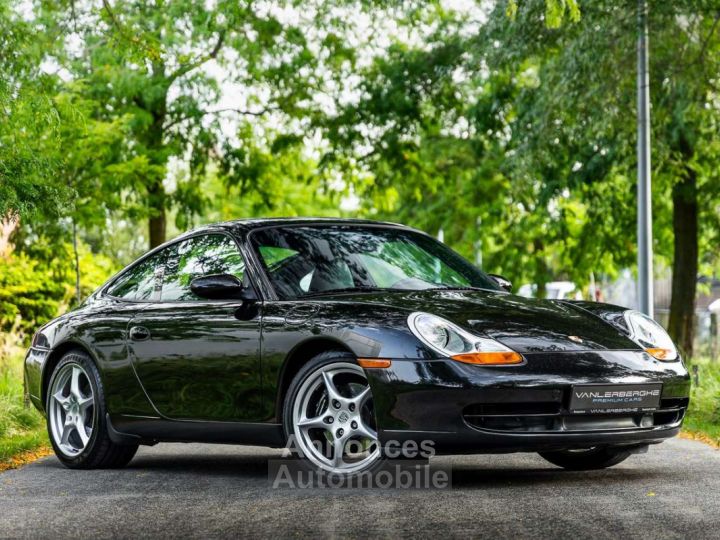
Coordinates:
[7,225]
[685,263]
[156,222]
[156,105]
[157,200]
[541,268]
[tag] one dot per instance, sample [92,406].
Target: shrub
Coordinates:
[29,294]
[33,291]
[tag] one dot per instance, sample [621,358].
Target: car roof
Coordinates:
[258,223]
[247,225]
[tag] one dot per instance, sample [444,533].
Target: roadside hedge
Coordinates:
[33,291]
[30,294]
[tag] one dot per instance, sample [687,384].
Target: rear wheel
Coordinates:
[76,417]
[587,459]
[329,413]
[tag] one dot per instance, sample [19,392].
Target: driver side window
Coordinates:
[195,257]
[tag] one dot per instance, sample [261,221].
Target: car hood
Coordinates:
[523,324]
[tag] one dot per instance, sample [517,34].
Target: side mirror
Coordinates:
[504,283]
[221,287]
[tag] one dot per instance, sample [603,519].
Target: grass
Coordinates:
[703,418]
[22,429]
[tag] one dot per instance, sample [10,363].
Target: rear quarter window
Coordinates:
[141,282]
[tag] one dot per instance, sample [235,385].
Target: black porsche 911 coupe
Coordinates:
[345,336]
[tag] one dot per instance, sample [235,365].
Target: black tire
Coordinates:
[100,452]
[322,359]
[587,460]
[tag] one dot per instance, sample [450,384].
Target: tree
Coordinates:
[163,65]
[592,62]
[271,173]
[532,129]
[438,137]
[27,184]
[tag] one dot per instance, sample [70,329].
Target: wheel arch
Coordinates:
[299,355]
[54,357]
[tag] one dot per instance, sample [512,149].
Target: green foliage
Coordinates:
[154,77]
[579,138]
[26,183]
[437,134]
[518,138]
[270,174]
[555,11]
[32,291]
[21,428]
[29,294]
[704,413]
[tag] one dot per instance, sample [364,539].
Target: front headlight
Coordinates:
[650,336]
[450,340]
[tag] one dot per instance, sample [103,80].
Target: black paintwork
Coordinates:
[215,370]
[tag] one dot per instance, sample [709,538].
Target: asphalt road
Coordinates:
[177,490]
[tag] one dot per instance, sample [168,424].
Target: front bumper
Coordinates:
[474,409]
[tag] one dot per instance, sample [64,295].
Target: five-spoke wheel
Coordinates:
[332,416]
[72,409]
[76,416]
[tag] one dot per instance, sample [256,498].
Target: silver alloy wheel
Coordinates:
[333,419]
[71,409]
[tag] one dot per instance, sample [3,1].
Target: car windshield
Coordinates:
[304,261]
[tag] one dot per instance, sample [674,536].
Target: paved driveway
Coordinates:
[194,490]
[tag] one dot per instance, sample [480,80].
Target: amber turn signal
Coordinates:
[489,358]
[662,354]
[369,363]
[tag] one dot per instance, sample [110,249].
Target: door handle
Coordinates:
[299,315]
[139,333]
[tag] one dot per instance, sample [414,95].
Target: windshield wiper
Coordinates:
[387,289]
[349,290]
[465,288]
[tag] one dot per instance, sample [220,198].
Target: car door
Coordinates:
[128,294]
[199,359]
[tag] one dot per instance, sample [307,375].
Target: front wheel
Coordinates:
[587,459]
[76,417]
[328,415]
